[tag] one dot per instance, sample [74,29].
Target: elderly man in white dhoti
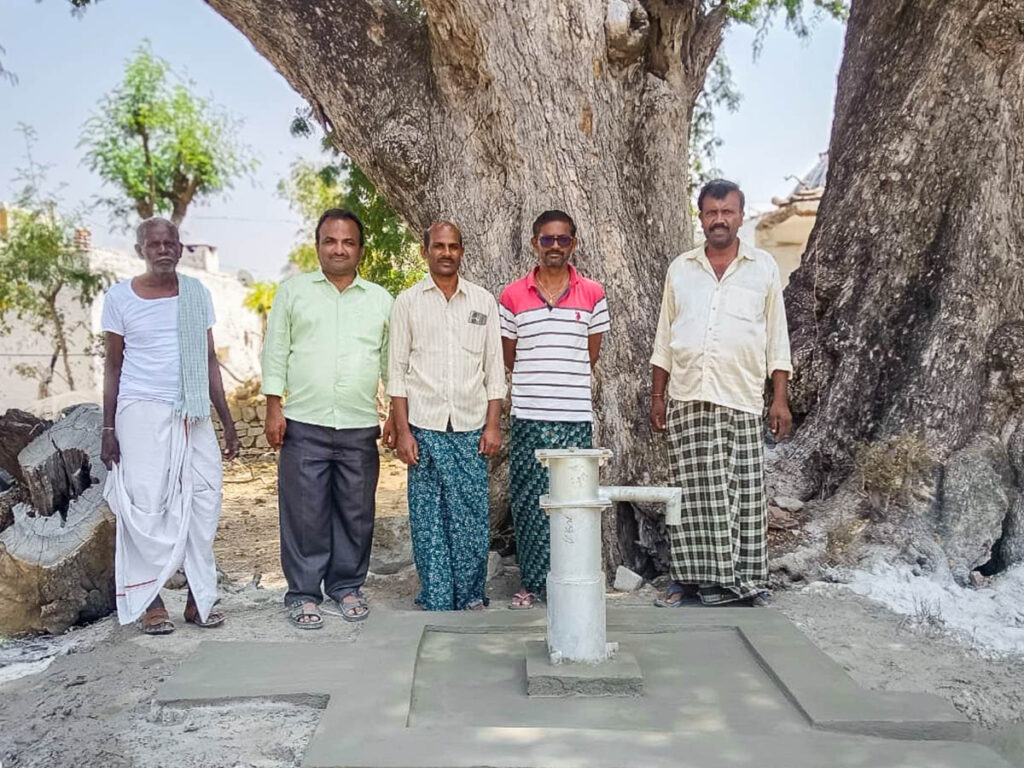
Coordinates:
[164,486]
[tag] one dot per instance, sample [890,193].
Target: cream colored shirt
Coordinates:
[720,339]
[445,355]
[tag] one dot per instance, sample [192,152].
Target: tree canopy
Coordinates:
[160,145]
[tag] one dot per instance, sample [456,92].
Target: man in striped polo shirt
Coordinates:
[552,321]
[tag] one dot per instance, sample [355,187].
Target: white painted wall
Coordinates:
[236,334]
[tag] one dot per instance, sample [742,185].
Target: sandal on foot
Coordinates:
[155,621]
[476,605]
[215,619]
[523,600]
[297,613]
[350,610]
[674,597]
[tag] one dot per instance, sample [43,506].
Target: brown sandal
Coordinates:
[155,621]
[213,620]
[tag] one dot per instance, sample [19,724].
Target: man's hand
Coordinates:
[275,426]
[388,434]
[490,441]
[780,420]
[110,449]
[408,449]
[231,444]
[658,414]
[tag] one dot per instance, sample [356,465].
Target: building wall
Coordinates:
[236,334]
[784,234]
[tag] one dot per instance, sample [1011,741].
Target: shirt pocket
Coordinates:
[473,338]
[473,334]
[744,303]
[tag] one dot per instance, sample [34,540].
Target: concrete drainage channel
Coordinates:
[584,686]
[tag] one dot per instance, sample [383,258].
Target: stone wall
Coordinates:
[249,412]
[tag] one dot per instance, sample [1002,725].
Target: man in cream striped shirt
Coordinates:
[446,379]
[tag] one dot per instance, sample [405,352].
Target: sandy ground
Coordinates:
[88,700]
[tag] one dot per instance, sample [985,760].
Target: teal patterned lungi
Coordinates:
[449,519]
[527,481]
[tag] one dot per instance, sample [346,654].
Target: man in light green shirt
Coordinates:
[324,353]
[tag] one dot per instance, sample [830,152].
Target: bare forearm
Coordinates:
[400,414]
[111,387]
[659,381]
[780,386]
[493,414]
[217,397]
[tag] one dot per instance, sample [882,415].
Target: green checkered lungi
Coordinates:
[716,455]
[527,481]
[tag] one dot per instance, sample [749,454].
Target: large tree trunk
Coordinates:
[907,314]
[487,112]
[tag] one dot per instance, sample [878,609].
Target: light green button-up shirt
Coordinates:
[325,350]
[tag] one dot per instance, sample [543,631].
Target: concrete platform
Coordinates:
[618,676]
[722,687]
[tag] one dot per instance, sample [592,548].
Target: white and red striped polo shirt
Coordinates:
[551,377]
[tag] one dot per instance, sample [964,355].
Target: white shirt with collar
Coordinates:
[720,339]
[444,356]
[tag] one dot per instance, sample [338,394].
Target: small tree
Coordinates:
[39,266]
[160,145]
[259,298]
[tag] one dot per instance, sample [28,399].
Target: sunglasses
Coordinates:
[546,241]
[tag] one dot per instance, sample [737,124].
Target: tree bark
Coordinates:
[906,312]
[487,112]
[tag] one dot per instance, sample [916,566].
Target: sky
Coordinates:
[65,65]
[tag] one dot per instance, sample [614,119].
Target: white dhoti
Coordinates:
[165,493]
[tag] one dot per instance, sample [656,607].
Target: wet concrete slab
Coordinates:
[722,687]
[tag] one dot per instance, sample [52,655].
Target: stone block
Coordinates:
[626,580]
[248,441]
[392,545]
[977,491]
[261,441]
[248,412]
[261,412]
[618,676]
[788,503]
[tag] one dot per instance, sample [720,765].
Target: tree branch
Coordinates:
[684,40]
[363,66]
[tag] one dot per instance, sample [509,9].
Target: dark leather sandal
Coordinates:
[155,621]
[296,612]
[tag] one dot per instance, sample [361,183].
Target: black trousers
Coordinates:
[326,482]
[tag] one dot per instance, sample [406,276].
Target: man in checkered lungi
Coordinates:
[721,333]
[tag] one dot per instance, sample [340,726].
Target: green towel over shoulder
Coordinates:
[194,381]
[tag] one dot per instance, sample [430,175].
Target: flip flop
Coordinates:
[297,610]
[523,600]
[156,622]
[674,590]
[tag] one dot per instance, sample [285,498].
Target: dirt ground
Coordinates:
[87,698]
